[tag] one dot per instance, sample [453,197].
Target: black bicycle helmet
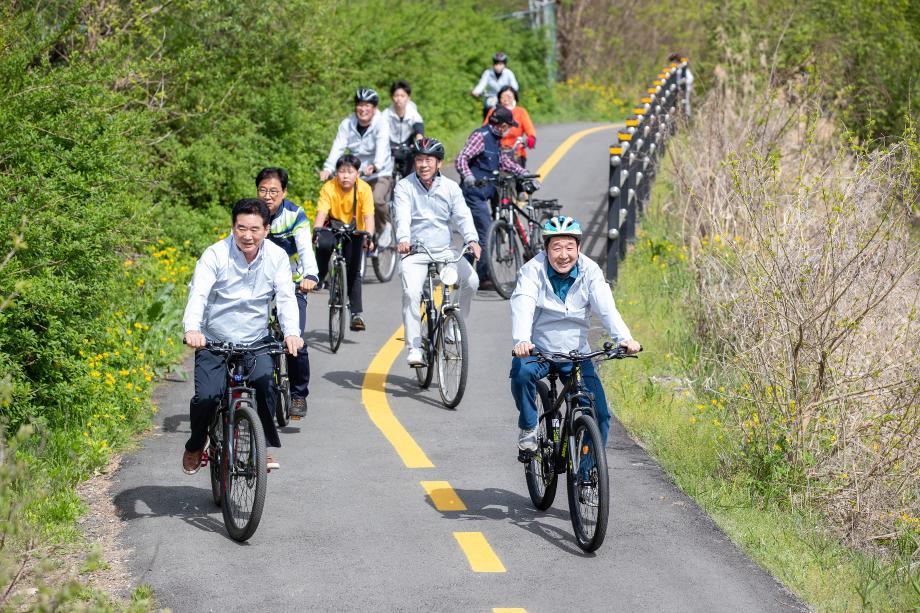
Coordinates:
[500,58]
[429,146]
[366,94]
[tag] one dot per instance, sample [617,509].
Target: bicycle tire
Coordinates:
[215,445]
[504,257]
[541,471]
[283,400]
[385,260]
[336,305]
[425,373]
[536,235]
[245,474]
[452,358]
[590,527]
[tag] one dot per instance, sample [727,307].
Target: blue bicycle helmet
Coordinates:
[561,226]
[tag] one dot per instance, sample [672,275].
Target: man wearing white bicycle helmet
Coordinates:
[426,204]
[551,308]
[366,135]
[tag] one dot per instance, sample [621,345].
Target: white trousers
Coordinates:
[414,270]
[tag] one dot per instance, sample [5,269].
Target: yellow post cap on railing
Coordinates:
[616,151]
[624,136]
[658,82]
[674,65]
[632,123]
[684,59]
[651,90]
[639,110]
[646,100]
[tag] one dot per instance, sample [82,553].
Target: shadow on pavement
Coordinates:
[319,341]
[502,505]
[397,386]
[193,505]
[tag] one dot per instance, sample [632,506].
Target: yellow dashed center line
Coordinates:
[373,395]
[479,553]
[443,496]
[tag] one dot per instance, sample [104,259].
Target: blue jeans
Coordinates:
[299,365]
[525,372]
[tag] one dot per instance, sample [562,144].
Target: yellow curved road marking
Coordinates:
[374,397]
[373,390]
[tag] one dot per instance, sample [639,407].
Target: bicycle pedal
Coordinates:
[525,456]
[296,417]
[204,459]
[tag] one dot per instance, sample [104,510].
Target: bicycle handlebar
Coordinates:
[610,352]
[419,247]
[229,349]
[348,230]
[498,178]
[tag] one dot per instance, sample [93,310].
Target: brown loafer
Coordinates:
[191,461]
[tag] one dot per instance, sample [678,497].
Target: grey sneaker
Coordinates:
[298,407]
[357,322]
[527,441]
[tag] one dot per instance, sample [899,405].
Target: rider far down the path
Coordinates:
[556,292]
[345,200]
[229,299]
[521,137]
[482,155]
[426,203]
[290,230]
[493,80]
[366,135]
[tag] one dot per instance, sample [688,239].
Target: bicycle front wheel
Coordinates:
[283,399]
[385,260]
[245,475]
[453,359]
[587,482]
[504,257]
[541,471]
[425,373]
[215,446]
[336,305]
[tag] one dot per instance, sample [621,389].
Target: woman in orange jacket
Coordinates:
[520,136]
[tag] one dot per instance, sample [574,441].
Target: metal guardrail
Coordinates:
[635,156]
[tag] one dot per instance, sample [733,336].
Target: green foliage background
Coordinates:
[129,127]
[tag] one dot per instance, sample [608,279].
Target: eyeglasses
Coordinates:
[269,192]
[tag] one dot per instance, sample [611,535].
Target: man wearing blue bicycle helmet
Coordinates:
[556,292]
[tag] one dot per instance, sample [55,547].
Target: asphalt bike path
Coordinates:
[387,501]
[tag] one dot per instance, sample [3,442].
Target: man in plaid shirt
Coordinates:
[481,156]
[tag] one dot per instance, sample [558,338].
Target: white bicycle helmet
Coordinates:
[561,226]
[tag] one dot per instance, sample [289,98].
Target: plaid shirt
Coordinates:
[475,145]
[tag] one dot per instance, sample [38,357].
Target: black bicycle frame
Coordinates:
[578,400]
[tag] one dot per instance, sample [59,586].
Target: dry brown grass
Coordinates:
[810,291]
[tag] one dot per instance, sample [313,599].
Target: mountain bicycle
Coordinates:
[282,379]
[570,442]
[515,234]
[236,443]
[444,340]
[337,282]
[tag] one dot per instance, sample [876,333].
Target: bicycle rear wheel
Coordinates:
[385,260]
[587,482]
[504,257]
[425,373]
[541,471]
[283,400]
[245,475]
[453,359]
[336,305]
